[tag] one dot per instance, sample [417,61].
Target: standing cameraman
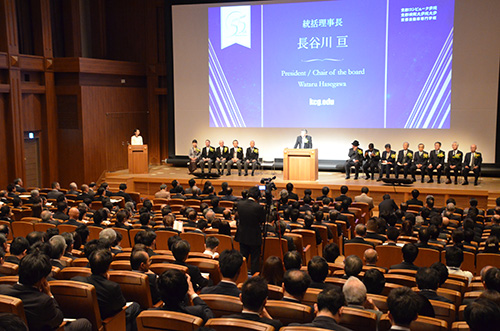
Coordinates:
[251,215]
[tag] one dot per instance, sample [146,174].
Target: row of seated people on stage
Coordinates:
[407,162]
[357,287]
[223,157]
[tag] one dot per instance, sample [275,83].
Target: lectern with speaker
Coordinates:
[138,159]
[300,164]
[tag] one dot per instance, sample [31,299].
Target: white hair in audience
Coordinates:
[354,291]
[108,234]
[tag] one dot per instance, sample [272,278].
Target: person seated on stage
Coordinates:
[404,306]
[235,157]
[404,160]
[329,310]
[420,161]
[221,156]
[455,158]
[410,253]
[251,157]
[372,158]
[387,162]
[414,200]
[194,155]
[136,138]
[254,297]
[174,285]
[291,194]
[436,161]
[230,262]
[295,285]
[355,160]
[208,156]
[472,162]
[304,140]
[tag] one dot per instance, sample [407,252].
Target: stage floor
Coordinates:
[147,184]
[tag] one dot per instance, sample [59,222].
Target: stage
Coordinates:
[147,184]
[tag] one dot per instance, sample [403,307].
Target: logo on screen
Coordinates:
[235,26]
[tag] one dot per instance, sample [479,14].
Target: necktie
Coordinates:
[471,159]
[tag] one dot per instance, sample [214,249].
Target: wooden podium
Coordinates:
[300,164]
[138,159]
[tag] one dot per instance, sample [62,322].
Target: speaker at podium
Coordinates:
[138,159]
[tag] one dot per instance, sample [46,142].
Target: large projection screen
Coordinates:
[396,79]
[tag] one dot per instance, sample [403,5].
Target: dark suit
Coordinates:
[355,160]
[293,196]
[343,197]
[308,142]
[372,159]
[359,240]
[471,161]
[239,155]
[223,288]
[455,158]
[387,206]
[248,234]
[415,202]
[373,235]
[255,317]
[432,295]
[252,156]
[60,216]
[390,159]
[197,279]
[405,265]
[422,159]
[222,155]
[207,153]
[125,195]
[54,194]
[153,287]
[82,196]
[199,308]
[12,259]
[72,222]
[20,189]
[323,322]
[42,311]
[402,159]
[436,158]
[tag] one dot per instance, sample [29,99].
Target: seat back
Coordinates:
[12,305]
[271,247]
[132,233]
[134,286]
[380,301]
[207,266]
[469,263]
[336,281]
[455,285]
[299,246]
[444,311]
[356,249]
[289,312]
[164,258]
[426,257]
[9,280]
[323,231]
[196,240]
[403,280]
[460,326]
[308,238]
[422,323]
[22,228]
[80,262]
[454,296]
[157,320]
[389,255]
[222,305]
[43,227]
[7,224]
[77,300]
[9,269]
[66,228]
[70,272]
[162,237]
[231,324]
[159,268]
[94,232]
[120,265]
[357,319]
[225,242]
[311,296]
[125,243]
[406,272]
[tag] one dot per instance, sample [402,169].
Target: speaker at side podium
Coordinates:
[138,159]
[300,164]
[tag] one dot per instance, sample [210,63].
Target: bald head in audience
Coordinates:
[370,256]
[73,213]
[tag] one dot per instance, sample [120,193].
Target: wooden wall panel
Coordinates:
[4,160]
[31,112]
[98,103]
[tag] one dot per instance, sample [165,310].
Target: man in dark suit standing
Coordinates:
[221,157]
[230,262]
[355,159]
[235,156]
[251,157]
[472,162]
[372,158]
[436,161]
[207,155]
[41,309]
[404,160]
[109,295]
[455,158]
[387,206]
[304,140]
[387,162]
[420,161]
[254,298]
[249,234]
[330,301]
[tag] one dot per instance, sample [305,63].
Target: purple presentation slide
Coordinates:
[331,64]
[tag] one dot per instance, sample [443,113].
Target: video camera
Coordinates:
[267,187]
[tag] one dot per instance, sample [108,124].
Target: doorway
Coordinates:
[32,162]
